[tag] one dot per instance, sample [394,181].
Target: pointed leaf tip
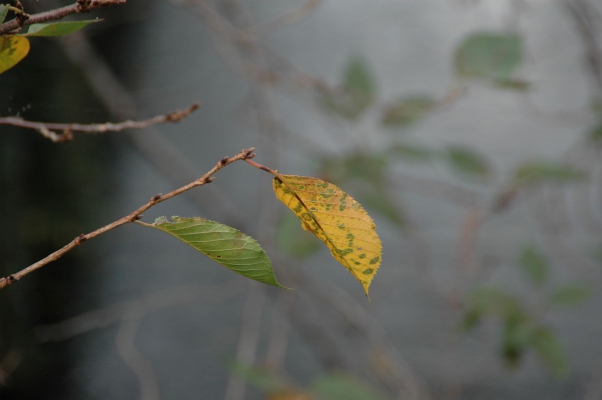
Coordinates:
[223,244]
[336,219]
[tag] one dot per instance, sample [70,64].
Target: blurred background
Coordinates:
[469,129]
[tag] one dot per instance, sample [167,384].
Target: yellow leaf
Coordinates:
[336,219]
[12,50]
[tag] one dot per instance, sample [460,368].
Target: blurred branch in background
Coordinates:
[47,128]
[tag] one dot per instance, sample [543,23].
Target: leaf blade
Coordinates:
[12,50]
[223,244]
[61,28]
[335,218]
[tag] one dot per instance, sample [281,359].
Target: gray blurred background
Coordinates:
[469,129]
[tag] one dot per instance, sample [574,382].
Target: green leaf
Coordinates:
[533,172]
[259,378]
[410,152]
[223,244]
[595,135]
[491,302]
[358,78]
[467,161]
[380,201]
[358,91]
[489,55]
[405,112]
[3,12]
[370,168]
[534,265]
[294,240]
[343,388]
[12,50]
[548,347]
[57,28]
[512,84]
[570,295]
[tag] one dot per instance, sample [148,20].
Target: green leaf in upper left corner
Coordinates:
[57,28]
[12,50]
[223,244]
[3,12]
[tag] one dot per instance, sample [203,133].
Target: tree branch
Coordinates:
[135,215]
[47,129]
[81,6]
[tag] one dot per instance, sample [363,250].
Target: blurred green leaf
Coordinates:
[57,28]
[491,302]
[595,135]
[358,91]
[512,84]
[405,112]
[548,347]
[467,161]
[489,55]
[3,12]
[358,77]
[259,378]
[370,168]
[295,241]
[570,295]
[344,388]
[517,338]
[533,172]
[381,202]
[411,152]
[534,265]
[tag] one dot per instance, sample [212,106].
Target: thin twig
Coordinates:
[291,17]
[135,215]
[78,7]
[47,129]
[150,303]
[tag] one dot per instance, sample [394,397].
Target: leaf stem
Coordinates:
[132,217]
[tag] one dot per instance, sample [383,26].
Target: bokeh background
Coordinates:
[470,131]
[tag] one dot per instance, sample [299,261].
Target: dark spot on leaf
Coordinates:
[368,271]
[374,260]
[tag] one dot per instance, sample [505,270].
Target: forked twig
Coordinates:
[135,215]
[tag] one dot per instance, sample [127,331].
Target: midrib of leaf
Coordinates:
[347,265]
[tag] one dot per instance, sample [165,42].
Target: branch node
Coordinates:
[249,153]
[156,198]
[209,179]
[80,239]
[83,6]
[224,160]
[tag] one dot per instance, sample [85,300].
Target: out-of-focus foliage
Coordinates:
[467,161]
[523,326]
[534,172]
[488,55]
[534,265]
[404,112]
[327,387]
[357,92]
